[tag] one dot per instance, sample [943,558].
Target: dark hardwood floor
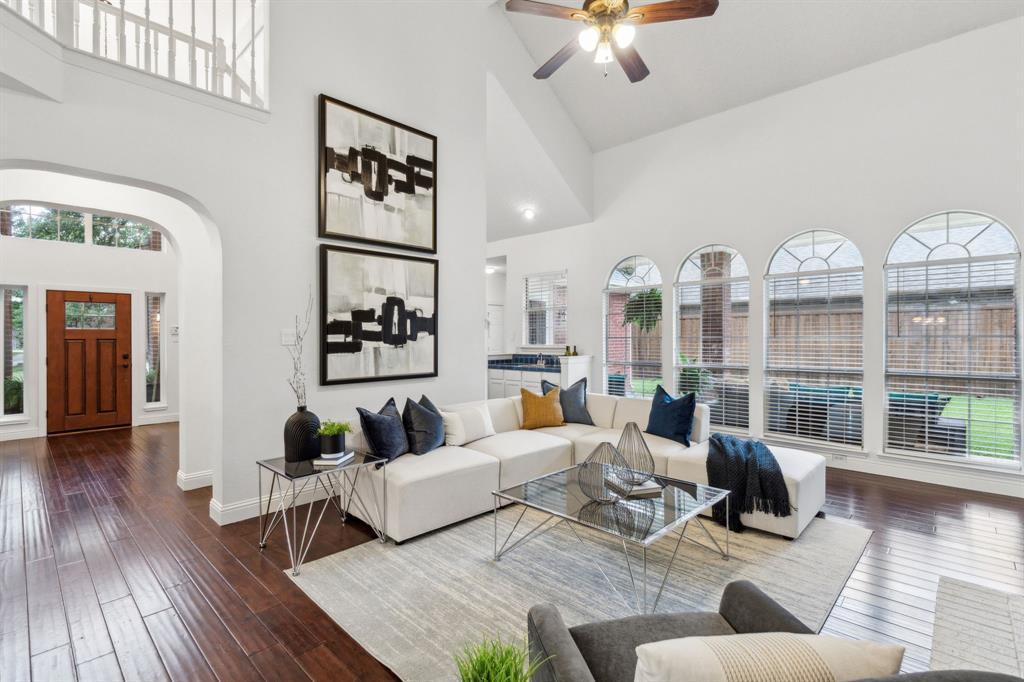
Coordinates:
[108,571]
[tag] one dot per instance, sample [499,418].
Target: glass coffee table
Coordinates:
[636,522]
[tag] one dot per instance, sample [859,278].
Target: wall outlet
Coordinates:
[287,337]
[174,334]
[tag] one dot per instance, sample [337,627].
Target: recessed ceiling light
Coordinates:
[490,269]
[529,213]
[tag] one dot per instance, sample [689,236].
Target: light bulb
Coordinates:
[624,34]
[603,55]
[490,270]
[589,38]
[529,213]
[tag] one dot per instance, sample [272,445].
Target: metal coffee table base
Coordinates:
[339,485]
[639,578]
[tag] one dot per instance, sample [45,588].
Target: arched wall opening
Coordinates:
[197,244]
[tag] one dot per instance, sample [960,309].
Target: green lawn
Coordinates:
[644,387]
[990,424]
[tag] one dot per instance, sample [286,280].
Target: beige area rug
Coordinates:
[414,606]
[978,628]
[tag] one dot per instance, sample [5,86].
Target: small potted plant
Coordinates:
[332,436]
[495,661]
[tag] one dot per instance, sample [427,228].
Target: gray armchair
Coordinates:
[606,651]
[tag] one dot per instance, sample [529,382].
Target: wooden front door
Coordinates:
[88,360]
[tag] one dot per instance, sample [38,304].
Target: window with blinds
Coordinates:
[814,352]
[544,309]
[953,379]
[712,352]
[632,324]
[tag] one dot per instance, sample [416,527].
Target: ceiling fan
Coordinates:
[610,29]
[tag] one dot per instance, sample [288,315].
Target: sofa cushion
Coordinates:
[504,415]
[670,417]
[570,432]
[525,455]
[610,647]
[573,400]
[662,449]
[765,656]
[384,430]
[541,410]
[632,410]
[424,493]
[467,424]
[602,409]
[424,425]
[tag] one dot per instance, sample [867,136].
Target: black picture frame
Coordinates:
[325,344]
[325,232]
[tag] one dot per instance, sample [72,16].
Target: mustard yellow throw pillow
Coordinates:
[541,410]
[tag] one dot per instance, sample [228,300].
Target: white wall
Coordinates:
[253,176]
[42,265]
[864,153]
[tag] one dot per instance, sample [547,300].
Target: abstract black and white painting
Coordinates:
[378,316]
[377,181]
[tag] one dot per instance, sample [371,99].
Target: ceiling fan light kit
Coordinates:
[610,29]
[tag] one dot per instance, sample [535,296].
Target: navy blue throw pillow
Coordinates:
[573,401]
[384,431]
[672,418]
[423,426]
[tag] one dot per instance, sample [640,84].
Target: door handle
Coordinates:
[124,356]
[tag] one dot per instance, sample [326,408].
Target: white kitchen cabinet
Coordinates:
[505,383]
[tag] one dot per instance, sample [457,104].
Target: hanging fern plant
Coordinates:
[643,310]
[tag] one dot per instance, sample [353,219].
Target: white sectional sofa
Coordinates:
[426,492]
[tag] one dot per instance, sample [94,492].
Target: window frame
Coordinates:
[160,404]
[551,312]
[734,369]
[25,416]
[967,460]
[768,370]
[611,289]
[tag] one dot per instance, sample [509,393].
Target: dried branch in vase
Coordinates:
[297,381]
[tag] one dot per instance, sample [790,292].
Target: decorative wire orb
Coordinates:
[637,462]
[604,461]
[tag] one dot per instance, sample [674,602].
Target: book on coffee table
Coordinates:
[331,461]
[649,488]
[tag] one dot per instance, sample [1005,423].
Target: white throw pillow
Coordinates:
[765,656]
[467,425]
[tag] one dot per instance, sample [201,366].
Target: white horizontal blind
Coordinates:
[953,381]
[814,351]
[633,330]
[545,309]
[712,351]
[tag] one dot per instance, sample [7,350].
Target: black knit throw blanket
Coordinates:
[750,471]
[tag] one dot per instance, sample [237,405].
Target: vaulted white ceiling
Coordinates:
[749,50]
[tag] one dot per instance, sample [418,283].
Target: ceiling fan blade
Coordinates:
[631,63]
[543,9]
[673,10]
[561,57]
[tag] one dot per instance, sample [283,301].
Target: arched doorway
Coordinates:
[196,241]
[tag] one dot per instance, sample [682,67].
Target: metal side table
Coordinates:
[337,487]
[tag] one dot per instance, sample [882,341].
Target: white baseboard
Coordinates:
[233,512]
[199,479]
[19,434]
[149,418]
[939,473]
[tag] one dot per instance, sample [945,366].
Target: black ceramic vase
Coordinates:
[301,440]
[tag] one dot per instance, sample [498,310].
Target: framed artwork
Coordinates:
[378,316]
[377,179]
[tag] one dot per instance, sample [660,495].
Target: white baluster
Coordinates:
[122,34]
[95,26]
[215,41]
[148,45]
[138,44]
[252,51]
[192,48]
[234,51]
[65,22]
[172,45]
